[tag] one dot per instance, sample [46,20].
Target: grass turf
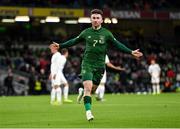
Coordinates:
[119,111]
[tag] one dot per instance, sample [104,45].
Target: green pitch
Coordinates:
[118,111]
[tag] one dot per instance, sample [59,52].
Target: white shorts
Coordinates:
[59,80]
[103,80]
[155,79]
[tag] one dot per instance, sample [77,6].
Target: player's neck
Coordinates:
[96,27]
[55,52]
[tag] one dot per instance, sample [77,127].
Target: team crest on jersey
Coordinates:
[101,39]
[83,71]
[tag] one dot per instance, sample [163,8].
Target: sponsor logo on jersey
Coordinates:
[89,37]
[83,71]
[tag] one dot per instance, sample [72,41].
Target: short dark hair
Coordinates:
[96,11]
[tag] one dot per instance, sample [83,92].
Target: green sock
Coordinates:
[87,102]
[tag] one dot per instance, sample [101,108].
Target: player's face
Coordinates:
[52,48]
[152,61]
[96,20]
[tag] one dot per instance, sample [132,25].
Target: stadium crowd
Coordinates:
[104,4]
[135,79]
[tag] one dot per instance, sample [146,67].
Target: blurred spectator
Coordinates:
[38,86]
[43,79]
[32,80]
[43,62]
[8,82]
[170,81]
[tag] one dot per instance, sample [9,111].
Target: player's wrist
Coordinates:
[132,51]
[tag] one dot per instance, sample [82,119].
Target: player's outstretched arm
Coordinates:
[136,53]
[73,41]
[68,43]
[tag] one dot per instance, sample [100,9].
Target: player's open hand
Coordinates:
[137,54]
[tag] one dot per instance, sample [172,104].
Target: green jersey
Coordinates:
[97,42]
